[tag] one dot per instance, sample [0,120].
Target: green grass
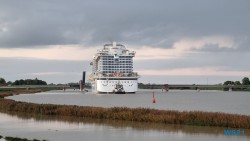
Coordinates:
[11,89]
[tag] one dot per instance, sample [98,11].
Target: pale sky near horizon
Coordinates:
[176,42]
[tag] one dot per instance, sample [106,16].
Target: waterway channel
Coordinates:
[65,128]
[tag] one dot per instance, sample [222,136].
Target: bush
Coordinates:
[2,81]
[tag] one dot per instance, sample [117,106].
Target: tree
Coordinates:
[29,82]
[245,81]
[237,83]
[9,83]
[228,83]
[2,81]
[16,82]
[21,82]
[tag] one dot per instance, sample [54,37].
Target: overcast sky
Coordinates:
[176,41]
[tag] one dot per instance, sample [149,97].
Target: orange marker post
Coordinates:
[153,100]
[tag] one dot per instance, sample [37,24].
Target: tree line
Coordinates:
[245,81]
[23,82]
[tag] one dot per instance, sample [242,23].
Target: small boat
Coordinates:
[118,89]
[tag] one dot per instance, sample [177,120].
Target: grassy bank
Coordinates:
[17,139]
[15,91]
[128,114]
[4,93]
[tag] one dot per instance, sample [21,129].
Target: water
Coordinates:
[65,129]
[181,100]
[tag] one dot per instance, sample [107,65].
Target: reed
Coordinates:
[130,114]
[5,93]
[19,139]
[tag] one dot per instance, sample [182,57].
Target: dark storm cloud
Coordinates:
[158,23]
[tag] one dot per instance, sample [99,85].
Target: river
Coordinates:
[68,129]
[65,128]
[181,100]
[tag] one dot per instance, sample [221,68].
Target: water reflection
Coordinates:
[56,123]
[74,129]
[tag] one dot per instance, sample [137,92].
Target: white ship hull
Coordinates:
[108,86]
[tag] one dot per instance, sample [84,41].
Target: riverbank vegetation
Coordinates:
[17,139]
[234,85]
[23,82]
[9,91]
[130,114]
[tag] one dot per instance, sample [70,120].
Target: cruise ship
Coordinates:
[112,70]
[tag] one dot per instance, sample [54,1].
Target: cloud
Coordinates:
[191,44]
[184,46]
[33,24]
[48,36]
[198,71]
[79,52]
[57,52]
[47,73]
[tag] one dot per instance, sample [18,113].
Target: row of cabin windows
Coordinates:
[124,59]
[123,64]
[105,68]
[113,56]
[115,71]
[127,66]
[120,61]
[121,81]
[116,63]
[115,67]
[124,68]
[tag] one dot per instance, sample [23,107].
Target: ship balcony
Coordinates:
[134,74]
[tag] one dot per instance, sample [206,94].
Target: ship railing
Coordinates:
[131,53]
[116,75]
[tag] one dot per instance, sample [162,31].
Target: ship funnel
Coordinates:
[82,82]
[83,77]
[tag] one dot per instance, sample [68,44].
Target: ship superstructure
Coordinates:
[112,70]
